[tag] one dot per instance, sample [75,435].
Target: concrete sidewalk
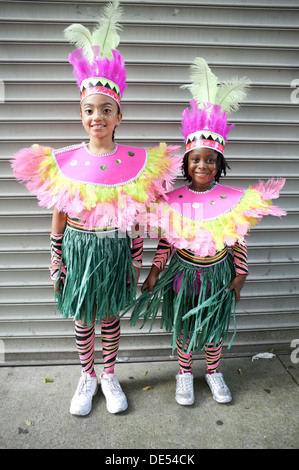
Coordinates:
[263,413]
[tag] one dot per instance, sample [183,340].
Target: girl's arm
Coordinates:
[58,222]
[137,252]
[137,249]
[240,260]
[57,231]
[161,257]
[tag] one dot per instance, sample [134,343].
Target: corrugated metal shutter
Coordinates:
[160,39]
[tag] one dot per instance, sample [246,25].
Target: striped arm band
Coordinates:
[137,251]
[163,253]
[240,258]
[56,252]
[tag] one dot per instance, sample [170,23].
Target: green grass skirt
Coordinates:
[203,316]
[100,277]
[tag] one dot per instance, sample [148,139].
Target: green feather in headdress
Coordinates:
[206,89]
[105,34]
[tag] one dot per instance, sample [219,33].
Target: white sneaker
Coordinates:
[184,394]
[82,400]
[115,398]
[219,389]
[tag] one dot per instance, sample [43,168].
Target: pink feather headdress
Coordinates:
[97,65]
[205,124]
[206,127]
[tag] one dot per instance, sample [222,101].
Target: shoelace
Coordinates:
[85,385]
[113,384]
[184,383]
[218,381]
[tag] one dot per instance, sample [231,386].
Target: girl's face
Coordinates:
[100,115]
[202,166]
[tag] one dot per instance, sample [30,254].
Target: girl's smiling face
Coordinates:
[100,115]
[202,168]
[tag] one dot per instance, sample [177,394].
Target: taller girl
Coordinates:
[97,190]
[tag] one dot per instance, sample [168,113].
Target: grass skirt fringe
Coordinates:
[203,315]
[99,272]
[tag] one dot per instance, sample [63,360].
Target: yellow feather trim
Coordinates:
[158,165]
[231,225]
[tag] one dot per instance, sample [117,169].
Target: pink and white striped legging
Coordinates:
[85,339]
[212,353]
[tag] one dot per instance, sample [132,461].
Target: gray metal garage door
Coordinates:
[160,39]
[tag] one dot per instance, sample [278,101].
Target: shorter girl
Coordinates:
[198,222]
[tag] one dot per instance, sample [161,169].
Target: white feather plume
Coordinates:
[105,34]
[80,36]
[206,89]
[204,83]
[231,94]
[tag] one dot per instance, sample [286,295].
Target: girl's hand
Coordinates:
[56,286]
[151,279]
[237,284]
[137,274]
